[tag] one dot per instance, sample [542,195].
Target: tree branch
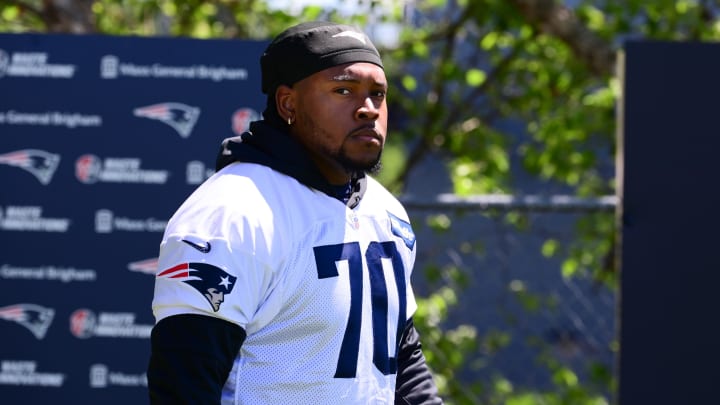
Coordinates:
[431,123]
[561,22]
[69,16]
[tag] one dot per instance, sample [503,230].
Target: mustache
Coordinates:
[371,130]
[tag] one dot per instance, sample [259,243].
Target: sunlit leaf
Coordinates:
[565,376]
[569,267]
[475,77]
[550,247]
[10,13]
[523,399]
[409,82]
[595,18]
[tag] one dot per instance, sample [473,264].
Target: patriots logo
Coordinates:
[39,163]
[148,266]
[180,117]
[211,281]
[35,318]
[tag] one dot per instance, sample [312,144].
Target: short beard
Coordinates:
[357,168]
[351,167]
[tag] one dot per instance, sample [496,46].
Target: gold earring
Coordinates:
[290,121]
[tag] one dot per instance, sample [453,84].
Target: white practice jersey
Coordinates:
[322,291]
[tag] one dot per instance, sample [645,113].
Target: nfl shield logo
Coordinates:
[354,221]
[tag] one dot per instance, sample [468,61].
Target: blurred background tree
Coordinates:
[499,91]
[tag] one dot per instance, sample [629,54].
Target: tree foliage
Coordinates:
[491,87]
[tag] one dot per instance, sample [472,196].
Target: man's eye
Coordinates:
[342,91]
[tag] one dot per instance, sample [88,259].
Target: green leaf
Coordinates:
[475,77]
[420,49]
[489,40]
[10,13]
[595,18]
[409,82]
[550,247]
[523,399]
[565,377]
[439,222]
[569,268]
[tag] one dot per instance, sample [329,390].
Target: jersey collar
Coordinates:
[266,145]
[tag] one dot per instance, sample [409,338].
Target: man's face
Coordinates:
[341,118]
[215,297]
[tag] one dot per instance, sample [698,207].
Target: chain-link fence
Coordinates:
[534,329]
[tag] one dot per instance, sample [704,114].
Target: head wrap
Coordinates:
[310,47]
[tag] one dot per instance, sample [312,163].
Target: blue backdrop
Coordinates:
[101,138]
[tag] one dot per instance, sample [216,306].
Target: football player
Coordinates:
[285,277]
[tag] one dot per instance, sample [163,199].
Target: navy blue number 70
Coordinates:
[325,259]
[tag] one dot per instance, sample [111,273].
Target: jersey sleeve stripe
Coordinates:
[179,267]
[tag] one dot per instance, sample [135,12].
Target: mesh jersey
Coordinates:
[323,291]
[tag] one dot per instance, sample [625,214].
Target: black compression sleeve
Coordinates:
[415,385]
[191,358]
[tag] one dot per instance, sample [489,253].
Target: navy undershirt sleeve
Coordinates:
[415,385]
[191,358]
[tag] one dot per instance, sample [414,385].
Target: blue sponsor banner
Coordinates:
[101,138]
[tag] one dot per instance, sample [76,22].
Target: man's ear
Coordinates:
[285,103]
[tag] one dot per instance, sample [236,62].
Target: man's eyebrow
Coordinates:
[344,78]
[353,79]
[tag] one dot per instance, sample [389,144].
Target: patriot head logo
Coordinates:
[180,117]
[35,318]
[211,281]
[39,163]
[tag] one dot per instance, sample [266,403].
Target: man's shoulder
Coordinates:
[380,196]
[375,187]
[248,169]
[254,191]
[236,190]
[244,179]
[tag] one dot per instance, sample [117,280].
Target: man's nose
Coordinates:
[368,110]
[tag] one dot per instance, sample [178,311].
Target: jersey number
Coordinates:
[325,258]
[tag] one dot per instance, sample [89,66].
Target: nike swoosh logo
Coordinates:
[351,34]
[201,247]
